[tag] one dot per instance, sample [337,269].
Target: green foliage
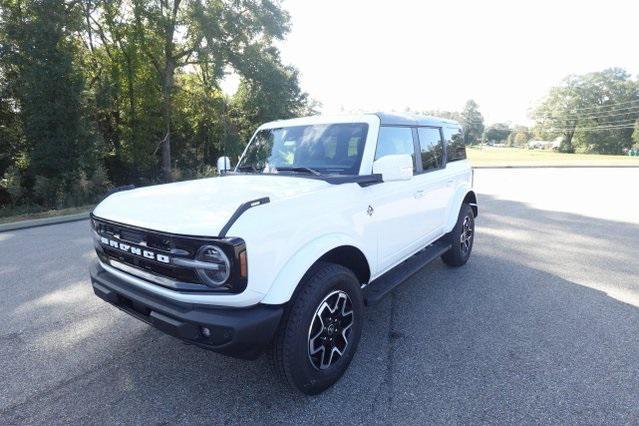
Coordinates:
[38,62]
[498,132]
[109,92]
[45,191]
[592,112]
[519,137]
[473,122]
[270,93]
[451,115]
[10,129]
[12,184]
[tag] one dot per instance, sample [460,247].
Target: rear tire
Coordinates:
[321,329]
[461,238]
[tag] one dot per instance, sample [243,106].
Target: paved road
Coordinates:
[542,325]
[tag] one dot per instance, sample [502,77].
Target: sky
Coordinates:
[392,55]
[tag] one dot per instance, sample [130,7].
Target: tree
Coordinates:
[103,91]
[498,132]
[123,91]
[473,122]
[592,112]
[270,92]
[451,115]
[219,34]
[10,129]
[519,136]
[37,60]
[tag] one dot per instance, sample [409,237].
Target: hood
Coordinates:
[198,207]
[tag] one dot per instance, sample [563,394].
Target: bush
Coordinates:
[100,180]
[206,172]
[12,184]
[46,191]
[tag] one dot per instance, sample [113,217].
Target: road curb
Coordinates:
[33,223]
[628,166]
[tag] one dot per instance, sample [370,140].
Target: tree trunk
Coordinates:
[131,95]
[167,91]
[566,143]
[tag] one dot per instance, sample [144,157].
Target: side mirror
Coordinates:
[223,165]
[394,167]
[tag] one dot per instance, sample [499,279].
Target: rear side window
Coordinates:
[395,140]
[455,142]
[432,148]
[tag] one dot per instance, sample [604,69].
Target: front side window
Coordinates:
[395,140]
[318,149]
[455,140]
[432,148]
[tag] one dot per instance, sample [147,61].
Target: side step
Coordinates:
[380,287]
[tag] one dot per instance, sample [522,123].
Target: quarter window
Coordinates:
[455,141]
[432,148]
[395,140]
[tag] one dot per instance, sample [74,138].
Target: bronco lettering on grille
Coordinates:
[135,250]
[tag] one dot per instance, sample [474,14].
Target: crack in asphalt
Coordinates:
[388,382]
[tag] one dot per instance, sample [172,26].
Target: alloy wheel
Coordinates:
[330,330]
[466,237]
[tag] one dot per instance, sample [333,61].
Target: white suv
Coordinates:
[320,217]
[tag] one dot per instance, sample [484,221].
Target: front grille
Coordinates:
[179,274]
[165,249]
[161,243]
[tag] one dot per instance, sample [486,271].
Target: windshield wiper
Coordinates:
[299,169]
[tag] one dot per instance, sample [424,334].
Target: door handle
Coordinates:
[419,193]
[449,183]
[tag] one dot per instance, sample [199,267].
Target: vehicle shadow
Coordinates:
[540,325]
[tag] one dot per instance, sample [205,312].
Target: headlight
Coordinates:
[220,266]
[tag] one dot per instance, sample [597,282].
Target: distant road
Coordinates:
[542,325]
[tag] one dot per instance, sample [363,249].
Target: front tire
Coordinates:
[320,332]
[461,238]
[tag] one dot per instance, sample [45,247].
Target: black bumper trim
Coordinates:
[237,332]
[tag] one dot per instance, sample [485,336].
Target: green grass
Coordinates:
[7,217]
[490,156]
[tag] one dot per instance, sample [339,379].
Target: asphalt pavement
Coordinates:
[542,325]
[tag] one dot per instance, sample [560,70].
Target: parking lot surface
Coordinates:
[542,325]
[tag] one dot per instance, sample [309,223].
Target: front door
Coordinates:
[394,206]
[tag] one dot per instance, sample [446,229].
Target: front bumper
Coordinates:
[237,332]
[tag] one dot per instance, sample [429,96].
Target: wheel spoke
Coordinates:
[330,359]
[344,330]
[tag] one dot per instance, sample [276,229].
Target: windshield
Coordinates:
[313,149]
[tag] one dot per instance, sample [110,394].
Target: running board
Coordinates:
[380,287]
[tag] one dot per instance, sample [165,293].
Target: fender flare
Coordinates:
[462,194]
[288,278]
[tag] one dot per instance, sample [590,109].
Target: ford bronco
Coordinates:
[320,217]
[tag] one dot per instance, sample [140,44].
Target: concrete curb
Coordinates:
[33,223]
[625,166]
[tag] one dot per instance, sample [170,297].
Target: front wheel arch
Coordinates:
[471,199]
[333,248]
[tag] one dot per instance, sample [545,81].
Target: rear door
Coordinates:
[434,185]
